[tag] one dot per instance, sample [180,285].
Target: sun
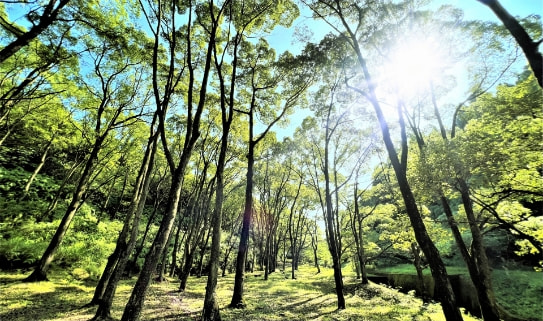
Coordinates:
[412,65]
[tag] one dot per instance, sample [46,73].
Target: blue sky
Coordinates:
[283,38]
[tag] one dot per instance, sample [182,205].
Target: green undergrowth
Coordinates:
[310,297]
[519,291]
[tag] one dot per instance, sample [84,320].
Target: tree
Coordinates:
[333,154]
[297,227]
[352,19]
[39,20]
[357,221]
[115,267]
[475,259]
[528,46]
[196,216]
[262,77]
[116,93]
[35,82]
[272,186]
[208,17]
[504,156]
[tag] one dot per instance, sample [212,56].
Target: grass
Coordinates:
[310,297]
[519,291]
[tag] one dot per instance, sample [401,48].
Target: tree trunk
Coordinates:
[529,47]
[40,272]
[48,17]
[417,262]
[483,282]
[358,234]
[164,260]
[362,261]
[40,165]
[104,279]
[210,311]
[445,292]
[332,233]
[185,272]
[267,260]
[53,204]
[314,246]
[139,248]
[202,255]
[126,242]
[121,196]
[175,248]
[237,296]
[134,306]
[228,250]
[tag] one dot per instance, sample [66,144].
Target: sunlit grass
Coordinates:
[310,297]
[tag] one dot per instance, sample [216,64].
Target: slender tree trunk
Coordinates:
[40,165]
[252,262]
[54,202]
[210,311]
[40,272]
[267,260]
[105,203]
[6,135]
[358,234]
[293,265]
[175,248]
[140,247]
[445,292]
[315,247]
[202,255]
[362,257]
[284,254]
[483,282]
[121,196]
[417,262]
[333,243]
[100,289]
[237,297]
[228,250]
[134,306]
[126,242]
[164,260]
[185,272]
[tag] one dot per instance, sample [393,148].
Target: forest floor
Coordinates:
[310,297]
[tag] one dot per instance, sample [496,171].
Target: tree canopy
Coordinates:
[163,139]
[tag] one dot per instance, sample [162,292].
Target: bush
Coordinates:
[13,181]
[86,245]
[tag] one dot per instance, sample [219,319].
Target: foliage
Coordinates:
[85,249]
[501,145]
[12,182]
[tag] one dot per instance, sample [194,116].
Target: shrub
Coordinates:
[86,245]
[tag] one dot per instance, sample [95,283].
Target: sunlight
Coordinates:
[413,64]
